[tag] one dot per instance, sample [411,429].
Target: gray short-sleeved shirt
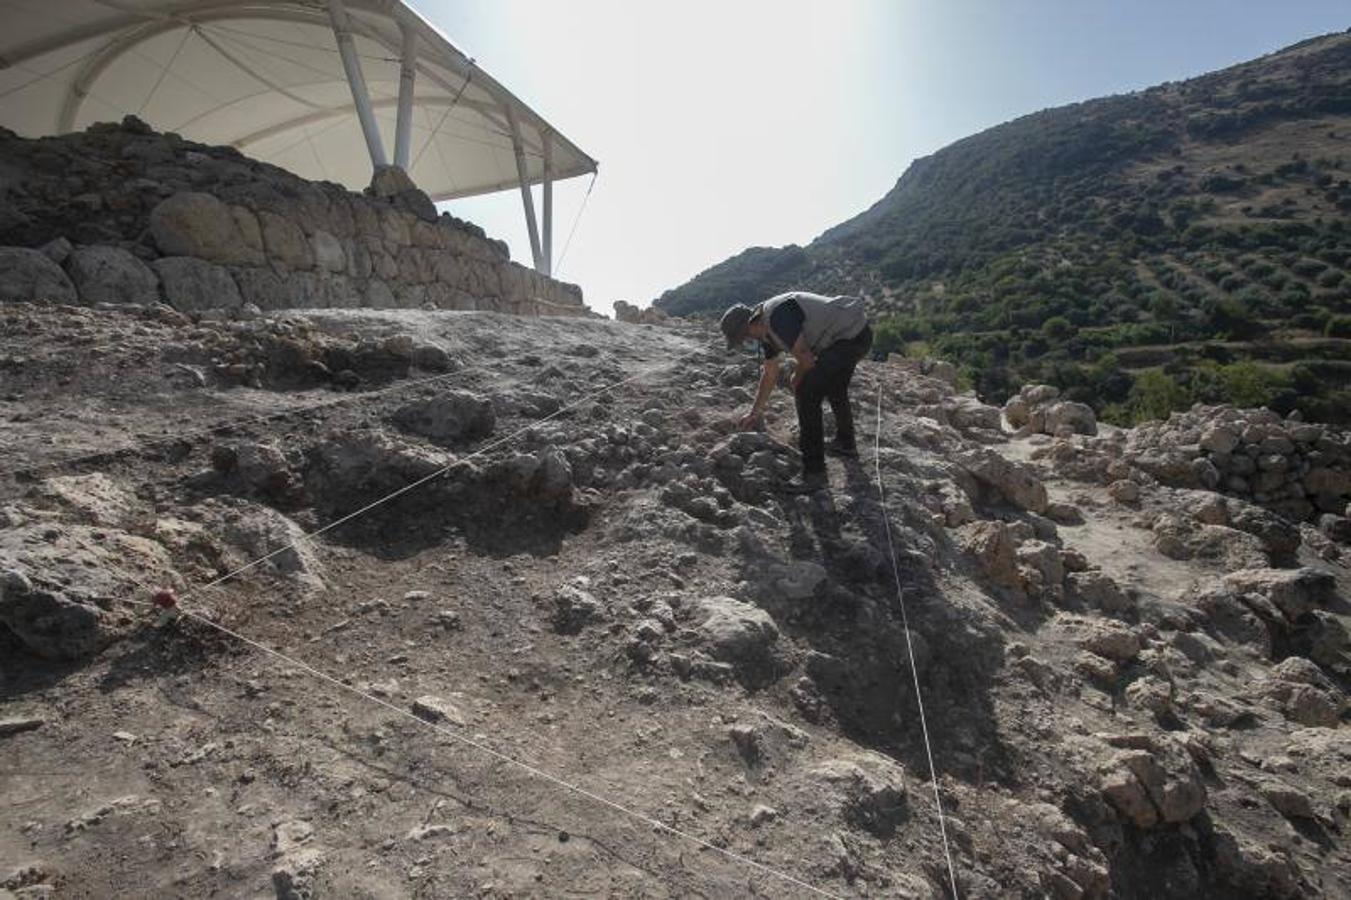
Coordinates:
[820,320]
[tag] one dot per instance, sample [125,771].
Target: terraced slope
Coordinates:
[1193,214]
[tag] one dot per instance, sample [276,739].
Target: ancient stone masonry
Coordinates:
[1299,469]
[121,214]
[627,312]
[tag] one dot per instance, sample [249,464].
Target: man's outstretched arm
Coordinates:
[769,376]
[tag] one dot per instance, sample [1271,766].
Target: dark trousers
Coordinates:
[829,380]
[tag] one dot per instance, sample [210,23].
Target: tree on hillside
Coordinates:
[1057,329]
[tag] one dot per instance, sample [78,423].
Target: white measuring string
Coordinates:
[909,647]
[511,760]
[496,754]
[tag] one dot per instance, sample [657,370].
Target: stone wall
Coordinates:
[121,214]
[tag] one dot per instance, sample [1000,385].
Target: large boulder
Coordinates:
[546,475]
[393,184]
[261,468]
[735,632]
[1068,417]
[1303,693]
[967,413]
[1153,786]
[868,790]
[1014,481]
[352,465]
[31,275]
[1280,538]
[264,288]
[104,274]
[1017,411]
[196,224]
[1098,591]
[574,608]
[285,243]
[1221,439]
[194,284]
[59,585]
[245,531]
[1293,591]
[992,547]
[1103,637]
[1037,409]
[328,252]
[48,621]
[448,417]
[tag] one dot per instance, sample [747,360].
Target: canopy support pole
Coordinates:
[403,129]
[526,197]
[548,249]
[342,30]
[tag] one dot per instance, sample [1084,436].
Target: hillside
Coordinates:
[1209,219]
[584,615]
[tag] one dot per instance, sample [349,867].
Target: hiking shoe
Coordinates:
[807,483]
[835,448]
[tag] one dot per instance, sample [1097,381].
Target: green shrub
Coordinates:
[1248,384]
[1155,395]
[1338,326]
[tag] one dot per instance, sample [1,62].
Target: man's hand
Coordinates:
[749,422]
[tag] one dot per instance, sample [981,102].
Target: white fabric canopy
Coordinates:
[266,76]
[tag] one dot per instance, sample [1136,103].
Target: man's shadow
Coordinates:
[856,628]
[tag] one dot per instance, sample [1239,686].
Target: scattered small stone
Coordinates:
[437,709]
[448,619]
[427,832]
[18,724]
[762,814]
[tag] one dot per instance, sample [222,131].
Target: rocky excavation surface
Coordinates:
[1136,686]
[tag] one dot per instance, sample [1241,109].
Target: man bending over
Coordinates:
[827,337]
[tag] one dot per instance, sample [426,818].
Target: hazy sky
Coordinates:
[724,124]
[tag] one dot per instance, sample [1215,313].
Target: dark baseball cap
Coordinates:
[733,324]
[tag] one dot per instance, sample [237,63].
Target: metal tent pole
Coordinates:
[521,173]
[548,249]
[342,30]
[403,129]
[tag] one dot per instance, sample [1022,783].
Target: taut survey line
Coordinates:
[909,647]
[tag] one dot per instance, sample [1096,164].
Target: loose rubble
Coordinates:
[1135,684]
